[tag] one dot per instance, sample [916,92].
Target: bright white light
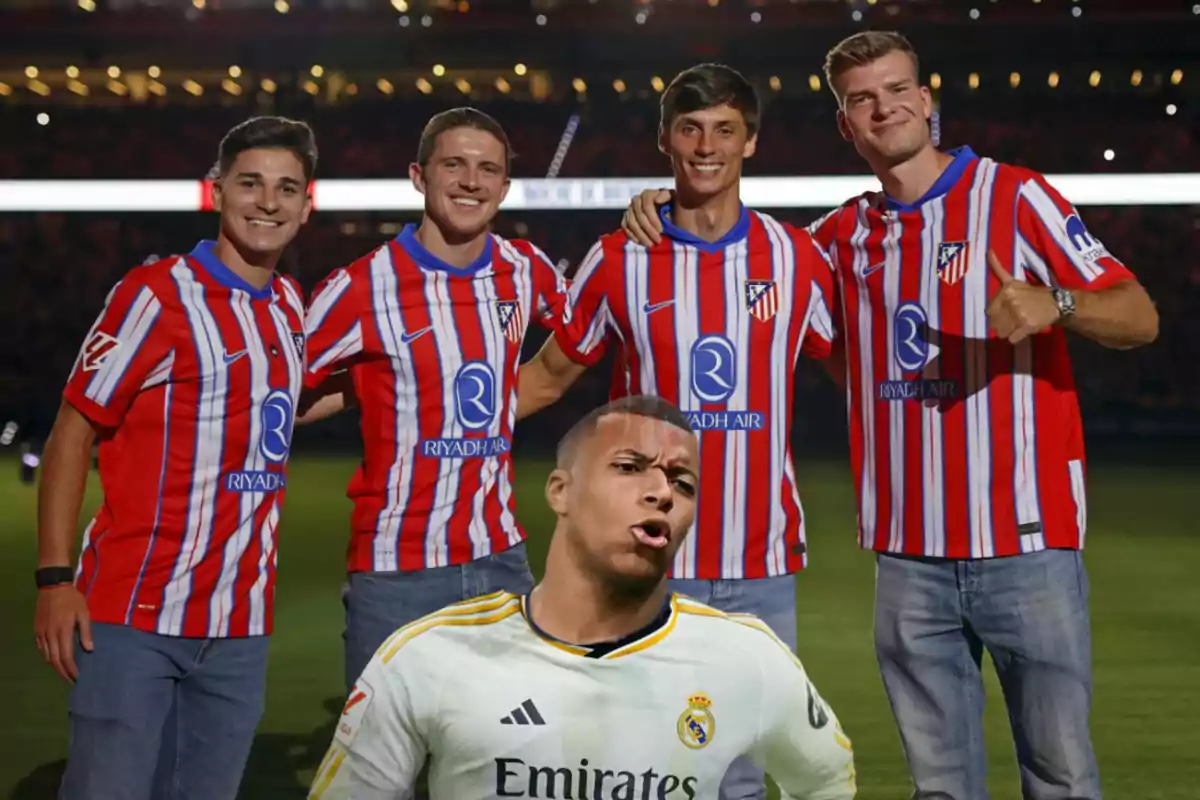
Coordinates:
[1109,155]
[974,13]
[756,17]
[639,18]
[1171,109]
[1077,12]
[856,15]
[43,118]
[541,19]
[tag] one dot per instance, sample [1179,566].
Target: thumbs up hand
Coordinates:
[1018,310]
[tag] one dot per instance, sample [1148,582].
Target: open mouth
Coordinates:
[709,168]
[265,223]
[654,533]
[466,202]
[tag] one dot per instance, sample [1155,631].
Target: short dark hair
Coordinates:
[641,405]
[270,132]
[706,86]
[462,117]
[863,48]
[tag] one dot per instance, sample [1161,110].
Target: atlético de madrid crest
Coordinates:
[509,314]
[953,259]
[762,299]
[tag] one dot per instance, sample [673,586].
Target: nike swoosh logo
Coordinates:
[873,268]
[232,357]
[408,337]
[650,308]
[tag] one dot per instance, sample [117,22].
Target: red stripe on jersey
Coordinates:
[433,351]
[176,550]
[991,448]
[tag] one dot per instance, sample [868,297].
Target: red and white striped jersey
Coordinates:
[962,445]
[716,328]
[433,351]
[192,375]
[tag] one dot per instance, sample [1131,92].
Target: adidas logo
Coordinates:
[524,714]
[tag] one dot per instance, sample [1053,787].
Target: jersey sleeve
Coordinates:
[549,286]
[802,745]
[1054,244]
[379,745]
[333,325]
[129,348]
[822,330]
[583,330]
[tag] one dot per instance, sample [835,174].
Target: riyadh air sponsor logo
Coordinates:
[517,778]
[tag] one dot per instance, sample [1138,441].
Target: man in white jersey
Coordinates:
[600,684]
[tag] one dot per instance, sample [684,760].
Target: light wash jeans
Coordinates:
[773,600]
[158,717]
[933,620]
[378,603]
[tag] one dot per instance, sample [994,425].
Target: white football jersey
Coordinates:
[503,710]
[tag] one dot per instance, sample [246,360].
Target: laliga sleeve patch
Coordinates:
[354,712]
[98,349]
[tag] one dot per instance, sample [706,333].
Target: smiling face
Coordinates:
[464,181]
[263,200]
[628,498]
[706,148]
[884,109]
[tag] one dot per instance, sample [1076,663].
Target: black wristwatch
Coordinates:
[47,577]
[1065,302]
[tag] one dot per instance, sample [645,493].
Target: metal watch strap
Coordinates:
[1065,302]
[46,577]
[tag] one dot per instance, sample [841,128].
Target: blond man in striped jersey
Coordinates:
[599,684]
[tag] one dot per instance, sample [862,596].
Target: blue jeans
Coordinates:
[773,600]
[934,618]
[378,603]
[163,717]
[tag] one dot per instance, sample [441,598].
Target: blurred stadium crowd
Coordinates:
[55,269]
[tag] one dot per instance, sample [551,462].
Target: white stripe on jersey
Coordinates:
[601,320]
[162,479]
[1079,495]
[400,475]
[637,293]
[337,285]
[685,264]
[527,299]
[267,560]
[869,504]
[1054,221]
[933,479]
[783,260]
[222,600]
[975,334]
[133,331]
[161,372]
[210,440]
[893,260]
[83,547]
[449,350]
[1029,257]
[737,330]
[1024,425]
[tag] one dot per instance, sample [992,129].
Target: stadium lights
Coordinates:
[43,118]
[775,83]
[282,7]
[439,70]
[559,194]
[520,69]
[87,5]
[72,72]
[5,89]
[153,71]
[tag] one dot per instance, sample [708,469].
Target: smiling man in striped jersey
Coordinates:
[188,380]
[425,333]
[958,282]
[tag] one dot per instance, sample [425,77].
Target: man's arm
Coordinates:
[62,608]
[333,329]
[802,746]
[545,378]
[579,340]
[824,339]
[1111,307]
[379,745]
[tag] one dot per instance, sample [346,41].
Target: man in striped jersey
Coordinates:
[600,684]
[428,329]
[188,380]
[957,284]
[714,319]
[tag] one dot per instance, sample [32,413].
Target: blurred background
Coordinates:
[144,89]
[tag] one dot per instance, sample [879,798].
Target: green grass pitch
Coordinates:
[1143,554]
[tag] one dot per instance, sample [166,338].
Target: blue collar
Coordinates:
[203,253]
[417,252]
[963,156]
[739,231]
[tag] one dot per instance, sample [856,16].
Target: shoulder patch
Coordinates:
[354,712]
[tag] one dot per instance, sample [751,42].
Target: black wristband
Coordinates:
[53,576]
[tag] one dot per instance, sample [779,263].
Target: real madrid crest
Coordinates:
[697,726]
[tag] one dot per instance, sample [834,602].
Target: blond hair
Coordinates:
[863,48]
